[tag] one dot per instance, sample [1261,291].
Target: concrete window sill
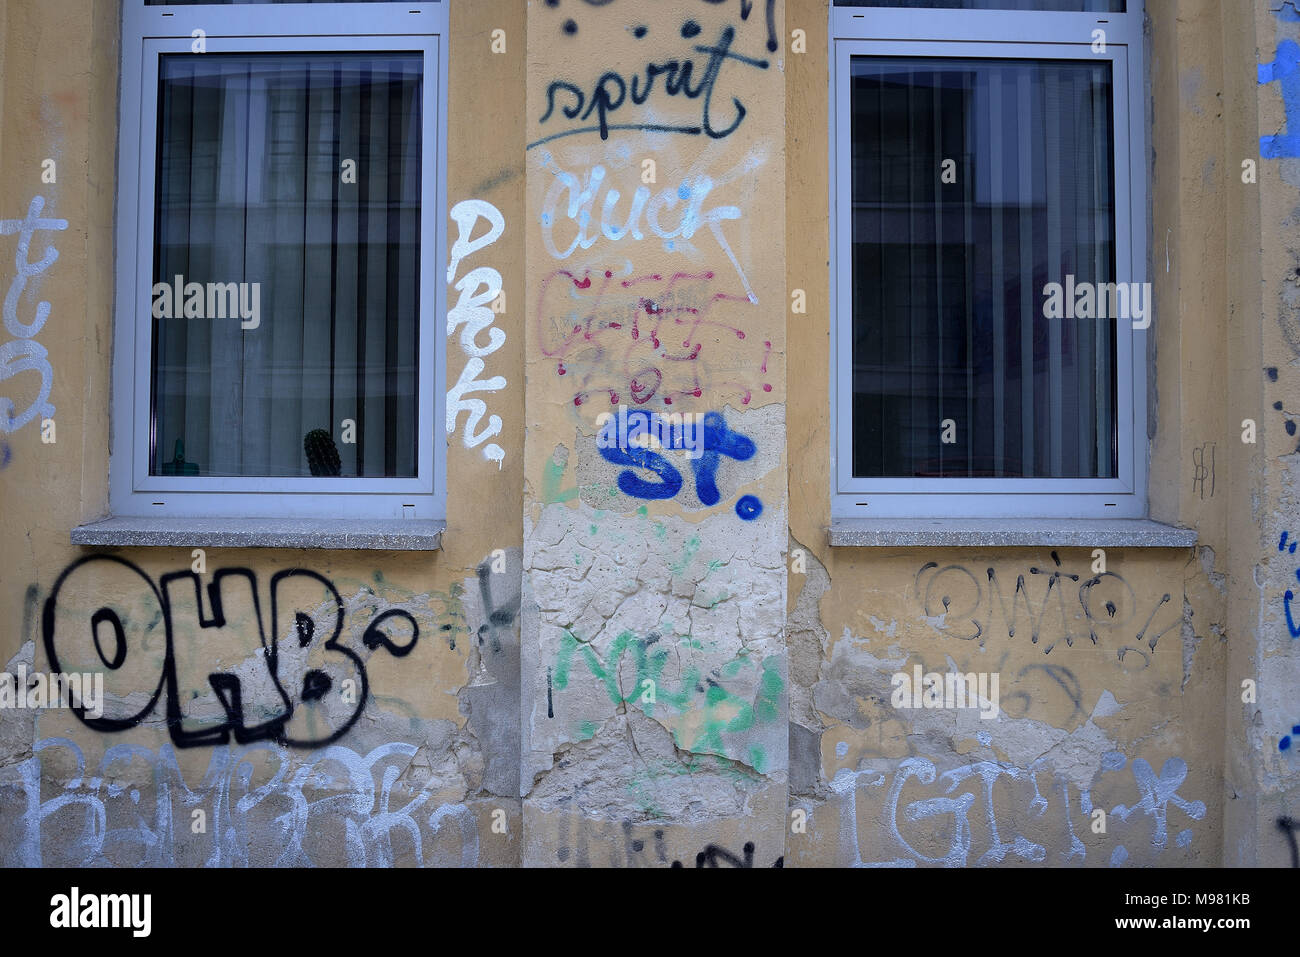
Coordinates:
[415,535]
[990,533]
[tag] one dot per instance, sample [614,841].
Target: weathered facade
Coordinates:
[609,663]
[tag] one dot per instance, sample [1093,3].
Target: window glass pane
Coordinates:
[1065,6]
[949,270]
[288,187]
[190,3]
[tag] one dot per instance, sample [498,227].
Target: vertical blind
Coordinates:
[949,270]
[300,173]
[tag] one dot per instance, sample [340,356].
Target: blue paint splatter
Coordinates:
[1288,11]
[1286,605]
[1285,70]
[1113,761]
[1184,838]
[984,738]
[1285,743]
[683,191]
[749,507]
[841,748]
[1119,856]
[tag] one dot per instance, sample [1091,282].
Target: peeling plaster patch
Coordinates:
[1287,314]
[1217,579]
[880,626]
[805,759]
[680,621]
[1191,641]
[631,768]
[807,639]
[18,726]
[853,675]
[1106,706]
[490,700]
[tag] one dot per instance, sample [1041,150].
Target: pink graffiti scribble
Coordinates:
[646,337]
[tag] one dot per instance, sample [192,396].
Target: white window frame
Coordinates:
[995,34]
[147,32]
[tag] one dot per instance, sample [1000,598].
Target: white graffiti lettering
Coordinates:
[477,289]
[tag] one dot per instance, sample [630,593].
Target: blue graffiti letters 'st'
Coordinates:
[719,440]
[631,484]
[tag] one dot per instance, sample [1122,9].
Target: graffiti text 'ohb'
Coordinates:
[275,688]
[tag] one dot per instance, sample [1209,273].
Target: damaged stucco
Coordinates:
[643,655]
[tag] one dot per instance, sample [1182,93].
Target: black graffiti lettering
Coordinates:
[115,576]
[1289,827]
[109,617]
[193,692]
[376,636]
[603,102]
[747,7]
[315,685]
[550,100]
[612,91]
[498,613]
[205,707]
[716,55]
[715,856]
[965,605]
[651,71]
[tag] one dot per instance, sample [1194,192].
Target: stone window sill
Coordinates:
[995,533]
[417,535]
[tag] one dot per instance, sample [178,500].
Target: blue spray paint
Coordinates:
[1286,604]
[719,440]
[1285,69]
[632,484]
